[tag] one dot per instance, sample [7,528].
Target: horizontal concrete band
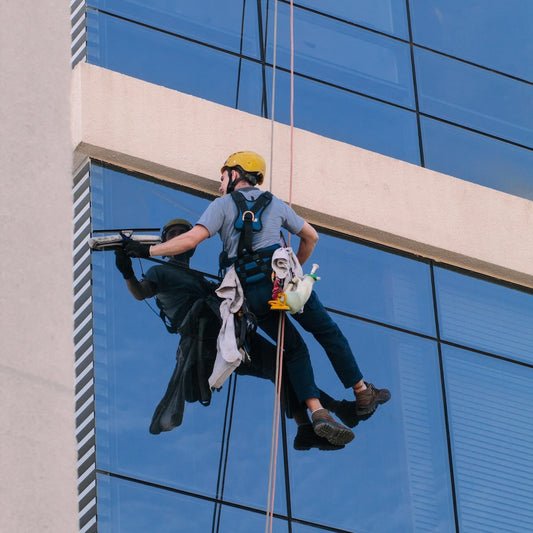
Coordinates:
[183,139]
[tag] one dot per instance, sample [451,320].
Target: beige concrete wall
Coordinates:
[37,450]
[184,139]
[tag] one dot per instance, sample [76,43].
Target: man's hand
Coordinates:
[123,263]
[137,249]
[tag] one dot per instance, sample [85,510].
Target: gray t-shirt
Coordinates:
[220,217]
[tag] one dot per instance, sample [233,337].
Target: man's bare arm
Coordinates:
[181,243]
[308,239]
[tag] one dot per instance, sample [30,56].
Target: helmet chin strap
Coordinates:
[231,183]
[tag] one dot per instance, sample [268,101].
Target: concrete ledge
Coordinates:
[183,139]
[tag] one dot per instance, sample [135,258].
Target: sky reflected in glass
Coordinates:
[484,315]
[388,16]
[491,33]
[476,158]
[491,437]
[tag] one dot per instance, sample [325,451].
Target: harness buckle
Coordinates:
[254,219]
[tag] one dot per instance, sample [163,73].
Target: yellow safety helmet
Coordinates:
[249,162]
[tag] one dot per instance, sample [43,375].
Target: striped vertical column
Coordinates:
[78,31]
[83,344]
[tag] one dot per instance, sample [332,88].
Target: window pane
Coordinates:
[474,97]
[334,113]
[394,476]
[234,520]
[491,33]
[345,55]
[250,447]
[388,16]
[135,356]
[127,507]
[491,422]
[484,315]
[476,158]
[193,68]
[365,281]
[210,21]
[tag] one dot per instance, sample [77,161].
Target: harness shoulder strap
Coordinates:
[248,219]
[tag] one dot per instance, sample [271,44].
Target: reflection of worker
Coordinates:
[240,173]
[177,289]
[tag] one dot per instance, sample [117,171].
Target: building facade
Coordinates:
[412,155]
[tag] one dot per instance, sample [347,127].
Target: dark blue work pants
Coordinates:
[317,321]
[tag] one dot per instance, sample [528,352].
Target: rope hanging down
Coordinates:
[281,326]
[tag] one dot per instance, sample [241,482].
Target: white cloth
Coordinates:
[229,357]
[286,266]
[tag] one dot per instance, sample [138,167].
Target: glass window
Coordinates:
[128,507]
[334,113]
[345,55]
[492,33]
[474,97]
[233,520]
[375,284]
[476,158]
[491,425]
[250,447]
[398,476]
[484,315]
[192,68]
[210,21]
[135,356]
[388,16]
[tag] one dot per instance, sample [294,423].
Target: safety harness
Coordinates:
[251,265]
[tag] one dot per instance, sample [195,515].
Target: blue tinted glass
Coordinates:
[491,33]
[345,55]
[209,21]
[250,447]
[491,422]
[334,113]
[394,476]
[126,507]
[474,97]
[190,68]
[388,16]
[234,520]
[484,315]
[477,158]
[382,286]
[135,356]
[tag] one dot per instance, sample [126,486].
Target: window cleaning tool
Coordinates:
[115,241]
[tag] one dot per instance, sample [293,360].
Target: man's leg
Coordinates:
[317,321]
[298,362]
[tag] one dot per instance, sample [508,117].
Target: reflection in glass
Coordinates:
[209,21]
[398,478]
[382,286]
[135,356]
[362,122]
[128,507]
[484,315]
[345,55]
[234,520]
[388,16]
[474,97]
[250,447]
[491,33]
[478,159]
[491,425]
[192,68]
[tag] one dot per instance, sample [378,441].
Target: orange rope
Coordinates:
[281,327]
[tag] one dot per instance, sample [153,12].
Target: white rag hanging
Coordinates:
[286,266]
[229,357]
